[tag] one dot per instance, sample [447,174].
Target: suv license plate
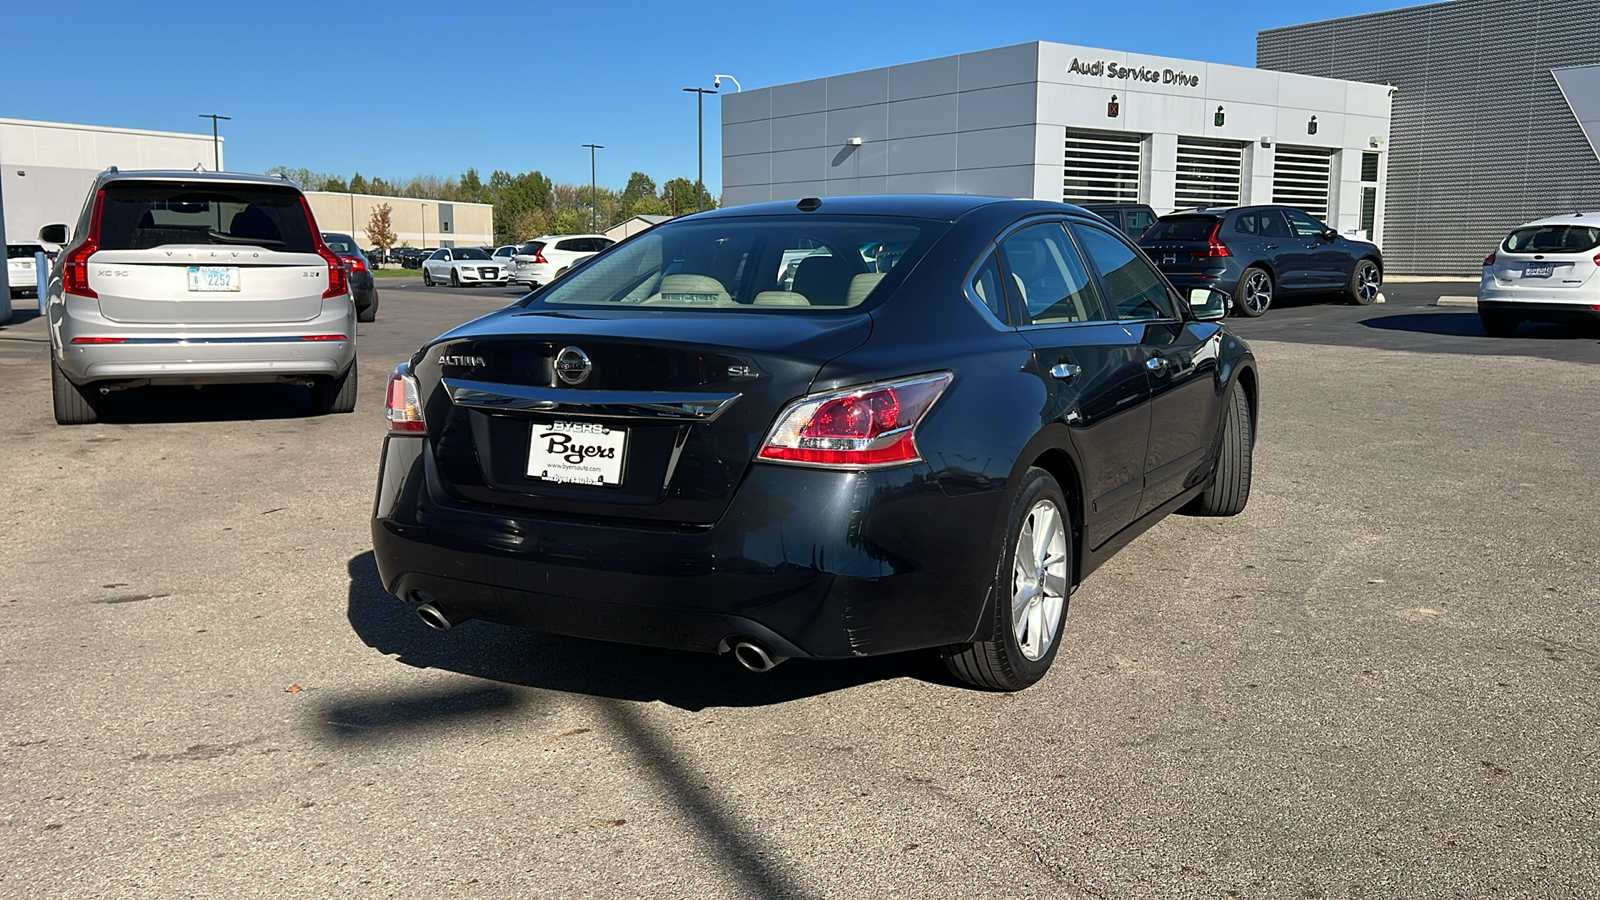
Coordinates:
[1543,271]
[213,278]
[577,453]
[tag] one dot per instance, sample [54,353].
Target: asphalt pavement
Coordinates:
[1380,680]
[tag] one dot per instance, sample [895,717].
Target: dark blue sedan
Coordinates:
[925,435]
[1256,253]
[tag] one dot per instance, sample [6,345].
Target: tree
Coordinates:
[681,200]
[358,185]
[639,187]
[379,229]
[470,188]
[334,183]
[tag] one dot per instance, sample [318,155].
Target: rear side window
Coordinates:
[1181,228]
[1135,222]
[1048,276]
[22,251]
[1553,239]
[575,245]
[986,287]
[141,215]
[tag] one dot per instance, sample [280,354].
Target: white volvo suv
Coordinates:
[543,260]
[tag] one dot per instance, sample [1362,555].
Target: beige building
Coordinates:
[416,223]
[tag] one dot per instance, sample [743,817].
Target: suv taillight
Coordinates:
[75,268]
[404,406]
[1489,260]
[338,275]
[1214,248]
[857,428]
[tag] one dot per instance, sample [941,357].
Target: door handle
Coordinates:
[1066,371]
[1272,246]
[1156,363]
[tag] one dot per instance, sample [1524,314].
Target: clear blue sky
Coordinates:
[405,88]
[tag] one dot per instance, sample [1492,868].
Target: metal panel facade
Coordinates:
[1481,139]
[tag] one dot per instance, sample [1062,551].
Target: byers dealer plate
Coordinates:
[577,453]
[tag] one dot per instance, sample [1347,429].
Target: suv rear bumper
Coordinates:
[809,562]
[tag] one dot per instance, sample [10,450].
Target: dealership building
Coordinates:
[1431,130]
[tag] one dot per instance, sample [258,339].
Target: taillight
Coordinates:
[857,428]
[1489,260]
[99,340]
[404,404]
[538,257]
[338,275]
[323,337]
[1214,248]
[1597,259]
[356,265]
[75,269]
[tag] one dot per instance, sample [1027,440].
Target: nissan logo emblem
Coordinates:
[573,365]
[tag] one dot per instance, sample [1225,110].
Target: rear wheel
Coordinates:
[1255,292]
[1229,490]
[370,314]
[73,405]
[1498,324]
[336,394]
[1035,576]
[1365,282]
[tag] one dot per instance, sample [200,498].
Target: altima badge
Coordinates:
[573,365]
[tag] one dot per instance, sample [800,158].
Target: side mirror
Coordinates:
[1330,235]
[1209,304]
[55,234]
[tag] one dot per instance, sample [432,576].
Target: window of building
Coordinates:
[1208,173]
[1102,167]
[1301,178]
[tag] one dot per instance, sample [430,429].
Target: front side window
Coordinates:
[783,264]
[1049,278]
[1132,287]
[1304,225]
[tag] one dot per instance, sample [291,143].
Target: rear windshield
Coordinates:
[341,243]
[22,251]
[531,247]
[141,215]
[1182,228]
[1553,239]
[787,264]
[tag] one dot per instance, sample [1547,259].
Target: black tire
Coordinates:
[336,394]
[1003,664]
[1498,324]
[1254,294]
[73,405]
[370,314]
[455,278]
[1229,490]
[427,279]
[1365,281]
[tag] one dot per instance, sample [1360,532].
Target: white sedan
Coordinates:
[1544,271]
[457,266]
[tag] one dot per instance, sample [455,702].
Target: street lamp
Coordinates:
[424,227]
[216,142]
[700,173]
[594,194]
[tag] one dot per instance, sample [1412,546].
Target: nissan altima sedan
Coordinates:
[679,446]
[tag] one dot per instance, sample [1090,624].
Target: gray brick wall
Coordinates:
[1481,139]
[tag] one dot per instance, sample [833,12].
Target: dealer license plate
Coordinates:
[1543,271]
[577,453]
[213,278]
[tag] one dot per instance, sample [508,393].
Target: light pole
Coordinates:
[424,226]
[700,171]
[594,193]
[716,82]
[216,142]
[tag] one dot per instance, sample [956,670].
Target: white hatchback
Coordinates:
[1543,271]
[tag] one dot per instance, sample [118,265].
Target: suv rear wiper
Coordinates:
[218,237]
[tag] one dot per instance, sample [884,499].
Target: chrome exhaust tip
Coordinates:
[755,657]
[434,617]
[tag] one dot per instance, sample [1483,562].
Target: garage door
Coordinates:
[1208,173]
[1102,167]
[1300,178]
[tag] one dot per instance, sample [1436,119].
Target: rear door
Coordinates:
[1092,369]
[206,253]
[1328,262]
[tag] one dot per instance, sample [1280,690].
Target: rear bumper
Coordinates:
[809,562]
[1543,311]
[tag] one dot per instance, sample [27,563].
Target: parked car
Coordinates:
[1543,271]
[1134,219]
[504,255]
[21,268]
[1258,252]
[196,278]
[541,261]
[408,257]
[667,448]
[462,266]
[363,287]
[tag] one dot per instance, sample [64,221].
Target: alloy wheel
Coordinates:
[1039,580]
[1257,293]
[1367,282]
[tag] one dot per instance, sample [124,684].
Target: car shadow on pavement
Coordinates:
[690,681]
[1466,324]
[212,403]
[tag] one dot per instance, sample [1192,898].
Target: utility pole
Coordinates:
[700,172]
[216,142]
[594,192]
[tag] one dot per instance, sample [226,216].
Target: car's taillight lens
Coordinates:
[1214,248]
[1489,260]
[862,427]
[338,275]
[538,257]
[404,404]
[356,265]
[75,269]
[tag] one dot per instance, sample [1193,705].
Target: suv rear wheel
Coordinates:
[73,405]
[1255,292]
[336,394]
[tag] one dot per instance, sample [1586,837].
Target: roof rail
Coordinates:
[111,170]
